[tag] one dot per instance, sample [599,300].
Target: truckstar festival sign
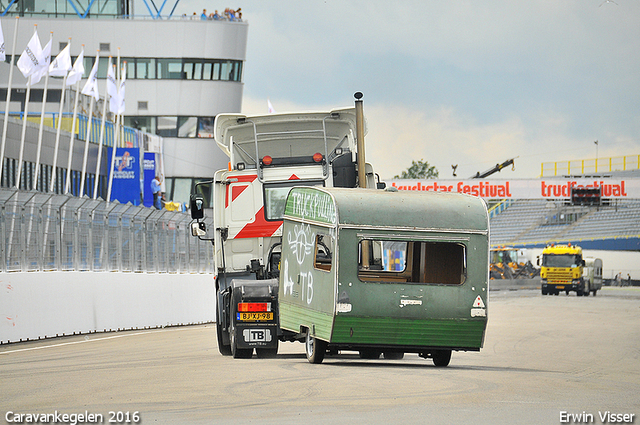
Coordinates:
[551,188]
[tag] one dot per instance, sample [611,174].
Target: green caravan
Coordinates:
[383,272]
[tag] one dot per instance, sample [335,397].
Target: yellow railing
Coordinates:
[590,166]
[49,122]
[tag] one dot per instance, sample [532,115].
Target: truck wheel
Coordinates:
[315,349]
[267,353]
[238,353]
[369,354]
[225,350]
[441,358]
[393,355]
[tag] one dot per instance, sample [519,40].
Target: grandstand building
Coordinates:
[180,73]
[608,224]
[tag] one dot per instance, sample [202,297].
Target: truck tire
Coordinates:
[315,349]
[267,353]
[236,352]
[393,355]
[225,350]
[441,358]
[369,354]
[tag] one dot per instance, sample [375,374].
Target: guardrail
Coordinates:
[587,166]
[49,232]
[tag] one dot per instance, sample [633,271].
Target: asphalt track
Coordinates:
[544,358]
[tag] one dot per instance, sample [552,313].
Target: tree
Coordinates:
[419,170]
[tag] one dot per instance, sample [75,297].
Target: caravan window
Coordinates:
[412,262]
[323,257]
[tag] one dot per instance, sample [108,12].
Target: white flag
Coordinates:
[91,87]
[44,67]
[270,107]
[77,71]
[112,89]
[3,56]
[123,79]
[31,58]
[61,64]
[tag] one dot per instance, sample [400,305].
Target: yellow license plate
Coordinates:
[255,317]
[559,286]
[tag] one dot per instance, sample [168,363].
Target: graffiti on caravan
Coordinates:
[556,188]
[311,204]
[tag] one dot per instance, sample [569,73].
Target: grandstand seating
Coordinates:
[538,222]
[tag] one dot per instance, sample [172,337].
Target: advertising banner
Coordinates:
[149,168]
[126,176]
[544,188]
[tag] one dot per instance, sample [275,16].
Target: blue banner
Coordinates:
[126,176]
[150,172]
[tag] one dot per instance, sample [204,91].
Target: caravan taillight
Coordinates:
[267,160]
[317,157]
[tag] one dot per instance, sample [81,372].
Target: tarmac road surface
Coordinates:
[545,359]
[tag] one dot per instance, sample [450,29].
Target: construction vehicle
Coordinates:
[511,263]
[564,269]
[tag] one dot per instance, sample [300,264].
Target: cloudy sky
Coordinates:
[471,83]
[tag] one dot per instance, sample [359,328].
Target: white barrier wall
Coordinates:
[47,304]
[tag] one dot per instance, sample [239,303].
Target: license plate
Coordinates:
[559,286]
[255,317]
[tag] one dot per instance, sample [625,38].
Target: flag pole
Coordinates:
[24,124]
[73,121]
[102,128]
[115,138]
[58,129]
[86,141]
[73,137]
[6,109]
[44,104]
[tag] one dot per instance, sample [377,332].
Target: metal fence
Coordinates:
[47,232]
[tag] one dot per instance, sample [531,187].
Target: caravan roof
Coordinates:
[379,208]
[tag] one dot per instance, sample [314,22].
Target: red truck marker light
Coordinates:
[253,307]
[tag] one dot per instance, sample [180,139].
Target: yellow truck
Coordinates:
[564,269]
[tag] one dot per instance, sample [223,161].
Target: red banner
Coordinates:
[550,188]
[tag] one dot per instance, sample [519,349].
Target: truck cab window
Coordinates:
[275,197]
[412,262]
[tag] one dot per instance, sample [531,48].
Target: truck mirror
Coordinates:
[198,229]
[197,206]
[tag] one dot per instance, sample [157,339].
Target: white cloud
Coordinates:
[455,82]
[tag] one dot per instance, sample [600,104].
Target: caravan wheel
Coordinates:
[441,358]
[315,349]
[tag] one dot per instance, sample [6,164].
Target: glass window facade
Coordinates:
[172,126]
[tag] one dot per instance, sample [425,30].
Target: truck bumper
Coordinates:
[253,335]
[555,287]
